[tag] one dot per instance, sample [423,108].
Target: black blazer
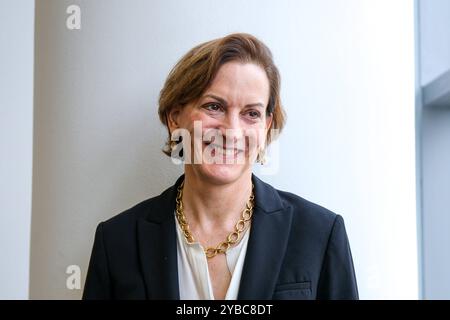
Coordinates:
[296,250]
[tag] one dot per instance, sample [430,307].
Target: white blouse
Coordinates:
[193,274]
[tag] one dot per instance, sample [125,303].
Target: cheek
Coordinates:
[262,139]
[205,121]
[188,120]
[260,134]
[198,116]
[194,119]
[253,139]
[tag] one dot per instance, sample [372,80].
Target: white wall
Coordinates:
[348,87]
[16,141]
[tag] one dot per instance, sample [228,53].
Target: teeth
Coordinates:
[224,151]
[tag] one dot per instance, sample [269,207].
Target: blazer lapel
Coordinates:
[267,243]
[158,247]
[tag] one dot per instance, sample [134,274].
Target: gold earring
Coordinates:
[173,145]
[178,154]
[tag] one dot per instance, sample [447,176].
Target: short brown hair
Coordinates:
[192,75]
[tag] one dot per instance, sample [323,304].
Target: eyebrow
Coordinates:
[222,101]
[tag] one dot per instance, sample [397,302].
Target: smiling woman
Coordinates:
[220,232]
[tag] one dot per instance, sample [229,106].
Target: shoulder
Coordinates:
[129,215]
[305,208]
[314,231]
[307,216]
[151,209]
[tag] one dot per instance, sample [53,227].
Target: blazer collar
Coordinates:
[265,251]
[266,197]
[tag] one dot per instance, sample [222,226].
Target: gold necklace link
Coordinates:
[232,238]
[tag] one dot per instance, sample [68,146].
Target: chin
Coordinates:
[222,173]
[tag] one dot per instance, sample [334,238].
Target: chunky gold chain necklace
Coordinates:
[232,238]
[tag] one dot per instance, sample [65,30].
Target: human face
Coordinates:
[236,99]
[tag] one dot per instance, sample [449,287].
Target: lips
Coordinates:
[224,151]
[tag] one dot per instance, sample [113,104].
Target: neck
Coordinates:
[208,205]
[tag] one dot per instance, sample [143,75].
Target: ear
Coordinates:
[173,118]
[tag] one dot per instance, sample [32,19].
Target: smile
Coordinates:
[224,151]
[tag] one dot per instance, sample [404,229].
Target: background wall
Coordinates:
[434,55]
[16,143]
[348,87]
[434,39]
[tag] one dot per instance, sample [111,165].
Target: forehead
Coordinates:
[241,81]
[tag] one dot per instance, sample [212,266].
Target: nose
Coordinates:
[232,129]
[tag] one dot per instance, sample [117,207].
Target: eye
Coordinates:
[213,107]
[254,114]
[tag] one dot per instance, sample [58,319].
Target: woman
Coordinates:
[220,232]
